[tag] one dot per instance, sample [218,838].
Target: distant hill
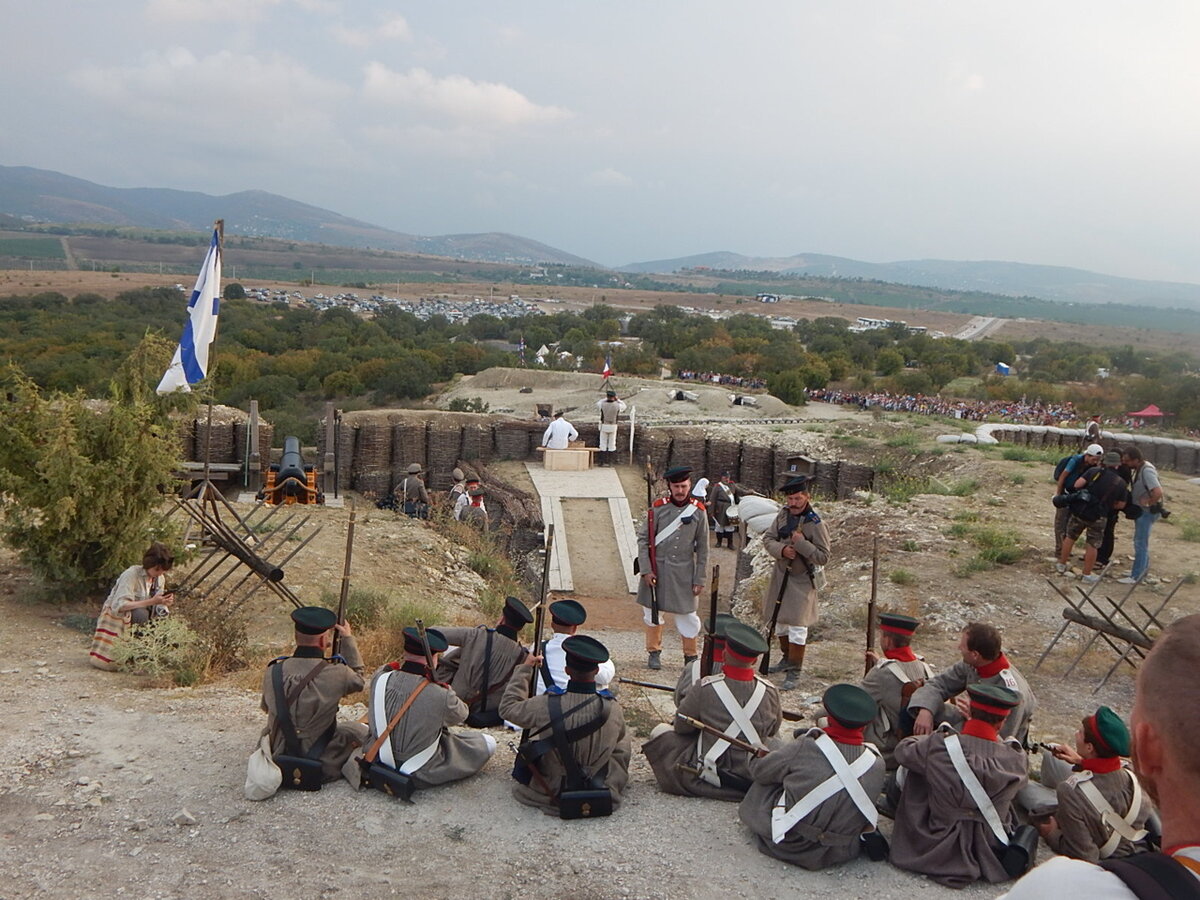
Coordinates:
[43,196]
[1012,279]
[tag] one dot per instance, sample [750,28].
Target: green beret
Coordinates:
[849,705]
[1111,734]
[313,619]
[568,612]
[584,653]
[744,640]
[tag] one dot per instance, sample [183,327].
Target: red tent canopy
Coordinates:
[1148,412]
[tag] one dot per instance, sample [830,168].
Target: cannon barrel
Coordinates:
[291,464]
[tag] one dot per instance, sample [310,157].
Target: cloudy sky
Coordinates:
[1064,133]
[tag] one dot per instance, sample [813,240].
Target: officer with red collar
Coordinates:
[673,562]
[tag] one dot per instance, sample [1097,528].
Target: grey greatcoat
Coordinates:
[462,668]
[685,745]
[1081,831]
[939,830]
[721,496]
[886,683]
[603,753]
[315,709]
[937,690]
[828,835]
[681,555]
[811,540]
[690,676]
[459,754]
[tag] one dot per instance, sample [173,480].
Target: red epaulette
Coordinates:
[661,501]
[699,503]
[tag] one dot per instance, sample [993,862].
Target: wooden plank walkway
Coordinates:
[593,484]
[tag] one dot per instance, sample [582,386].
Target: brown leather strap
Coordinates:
[369,756]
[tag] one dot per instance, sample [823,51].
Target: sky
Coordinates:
[1062,133]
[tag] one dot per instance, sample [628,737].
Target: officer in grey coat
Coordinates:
[672,560]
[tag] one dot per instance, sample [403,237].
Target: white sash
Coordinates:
[379,723]
[1119,826]
[846,777]
[739,727]
[975,789]
[673,525]
[893,666]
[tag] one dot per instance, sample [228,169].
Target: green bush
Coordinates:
[469,404]
[1189,530]
[910,546]
[167,648]
[902,576]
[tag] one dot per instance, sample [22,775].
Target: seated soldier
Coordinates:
[892,681]
[812,801]
[565,618]
[691,672]
[942,827]
[312,687]
[983,662]
[420,744]
[575,740]
[474,512]
[482,661]
[1102,811]
[738,702]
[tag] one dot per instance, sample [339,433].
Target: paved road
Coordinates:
[980,327]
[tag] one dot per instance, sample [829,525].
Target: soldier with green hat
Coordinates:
[799,542]
[691,672]
[421,744]
[312,687]
[565,618]
[1102,810]
[892,680]
[673,564]
[482,660]
[956,798]
[812,801]
[736,702]
[587,724]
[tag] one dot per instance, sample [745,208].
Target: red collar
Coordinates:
[901,654]
[976,728]
[1101,764]
[842,734]
[737,673]
[995,667]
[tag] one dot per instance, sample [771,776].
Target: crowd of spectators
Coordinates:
[1031,412]
[722,379]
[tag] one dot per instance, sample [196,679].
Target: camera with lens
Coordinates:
[1157,509]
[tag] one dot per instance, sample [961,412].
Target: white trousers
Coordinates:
[687,624]
[608,437]
[796,634]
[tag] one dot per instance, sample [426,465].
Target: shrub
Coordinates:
[469,404]
[910,546]
[220,624]
[902,576]
[166,649]
[1189,530]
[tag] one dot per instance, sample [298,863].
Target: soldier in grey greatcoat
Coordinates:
[601,746]
[482,660]
[673,561]
[941,828]
[791,817]
[738,702]
[799,543]
[891,681]
[1102,809]
[421,744]
[690,675]
[411,494]
[722,495]
[314,709]
[984,661]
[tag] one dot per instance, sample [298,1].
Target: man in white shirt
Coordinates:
[1166,759]
[559,433]
[565,618]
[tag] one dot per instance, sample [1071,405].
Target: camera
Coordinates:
[1157,508]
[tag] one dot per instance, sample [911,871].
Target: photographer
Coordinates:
[1148,494]
[1096,493]
[1072,468]
[137,596]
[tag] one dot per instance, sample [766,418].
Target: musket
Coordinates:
[425,647]
[787,713]
[539,617]
[345,594]
[766,657]
[718,733]
[653,582]
[710,633]
[871,610]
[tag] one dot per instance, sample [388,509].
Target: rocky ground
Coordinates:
[111,784]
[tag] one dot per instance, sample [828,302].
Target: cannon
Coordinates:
[291,481]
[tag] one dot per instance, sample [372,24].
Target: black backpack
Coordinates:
[1155,876]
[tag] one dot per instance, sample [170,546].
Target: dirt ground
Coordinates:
[110,784]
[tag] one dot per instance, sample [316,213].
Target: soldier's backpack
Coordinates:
[1155,876]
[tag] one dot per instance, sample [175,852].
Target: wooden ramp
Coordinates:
[594,484]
